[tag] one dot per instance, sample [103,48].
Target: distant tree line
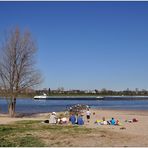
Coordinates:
[102,92]
[61,92]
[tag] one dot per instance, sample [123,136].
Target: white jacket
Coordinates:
[52,119]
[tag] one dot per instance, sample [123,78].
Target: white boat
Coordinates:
[100,97]
[44,96]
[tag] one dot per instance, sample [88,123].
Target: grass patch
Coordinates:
[16,141]
[35,134]
[29,141]
[5,130]
[26,122]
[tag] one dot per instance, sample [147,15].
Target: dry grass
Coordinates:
[33,133]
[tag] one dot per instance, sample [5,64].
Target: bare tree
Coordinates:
[17,66]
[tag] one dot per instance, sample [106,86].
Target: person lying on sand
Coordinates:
[63,120]
[101,122]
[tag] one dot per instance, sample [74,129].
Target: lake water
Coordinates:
[40,106]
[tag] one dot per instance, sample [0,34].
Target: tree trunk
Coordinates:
[11,108]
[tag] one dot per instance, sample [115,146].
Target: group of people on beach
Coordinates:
[112,121]
[73,119]
[55,120]
[78,119]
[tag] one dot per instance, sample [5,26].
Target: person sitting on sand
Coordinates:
[104,121]
[80,120]
[112,121]
[72,119]
[63,120]
[53,118]
[117,122]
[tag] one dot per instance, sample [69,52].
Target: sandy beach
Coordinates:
[127,134]
[130,134]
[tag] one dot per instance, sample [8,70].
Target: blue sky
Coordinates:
[85,45]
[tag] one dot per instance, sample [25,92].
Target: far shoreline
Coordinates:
[95,97]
